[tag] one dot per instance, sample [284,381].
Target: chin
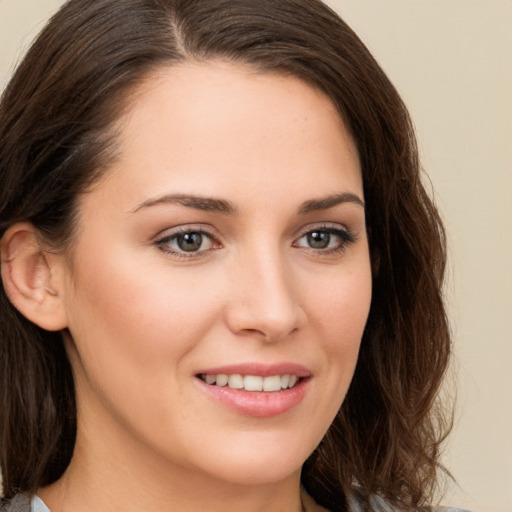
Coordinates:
[267,463]
[269,473]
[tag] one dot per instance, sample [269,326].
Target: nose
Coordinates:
[263,300]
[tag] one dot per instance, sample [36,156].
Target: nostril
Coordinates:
[263,324]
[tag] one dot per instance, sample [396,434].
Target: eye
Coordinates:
[187,242]
[326,239]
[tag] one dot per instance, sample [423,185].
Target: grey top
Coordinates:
[22,503]
[38,505]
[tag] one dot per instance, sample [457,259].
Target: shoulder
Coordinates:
[23,503]
[377,504]
[20,503]
[450,509]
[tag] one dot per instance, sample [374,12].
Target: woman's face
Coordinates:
[227,243]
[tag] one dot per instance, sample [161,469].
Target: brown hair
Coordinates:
[56,138]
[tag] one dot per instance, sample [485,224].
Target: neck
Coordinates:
[129,480]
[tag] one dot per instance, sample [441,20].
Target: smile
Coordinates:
[271,383]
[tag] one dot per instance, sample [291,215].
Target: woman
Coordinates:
[221,272]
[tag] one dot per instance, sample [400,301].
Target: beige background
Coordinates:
[452,62]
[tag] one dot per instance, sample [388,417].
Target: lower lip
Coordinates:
[258,403]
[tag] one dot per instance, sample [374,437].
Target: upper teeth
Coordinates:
[252,382]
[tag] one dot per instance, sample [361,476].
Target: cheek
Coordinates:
[133,327]
[127,296]
[342,305]
[130,317]
[337,312]
[340,311]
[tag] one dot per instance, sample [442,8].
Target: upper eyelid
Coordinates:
[333,230]
[319,226]
[186,228]
[166,236]
[163,243]
[346,237]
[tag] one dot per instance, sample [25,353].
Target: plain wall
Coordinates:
[452,62]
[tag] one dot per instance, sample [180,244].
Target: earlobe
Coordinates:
[32,277]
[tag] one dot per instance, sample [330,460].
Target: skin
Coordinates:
[144,318]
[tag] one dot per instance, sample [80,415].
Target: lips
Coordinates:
[257,390]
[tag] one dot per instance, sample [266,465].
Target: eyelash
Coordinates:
[164,243]
[345,238]
[344,235]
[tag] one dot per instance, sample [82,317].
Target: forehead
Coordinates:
[205,125]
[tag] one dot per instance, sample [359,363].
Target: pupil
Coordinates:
[190,241]
[319,239]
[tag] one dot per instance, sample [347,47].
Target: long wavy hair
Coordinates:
[56,139]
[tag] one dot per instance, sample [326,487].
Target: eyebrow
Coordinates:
[327,202]
[210,204]
[207,204]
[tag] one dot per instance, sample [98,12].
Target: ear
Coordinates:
[33,277]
